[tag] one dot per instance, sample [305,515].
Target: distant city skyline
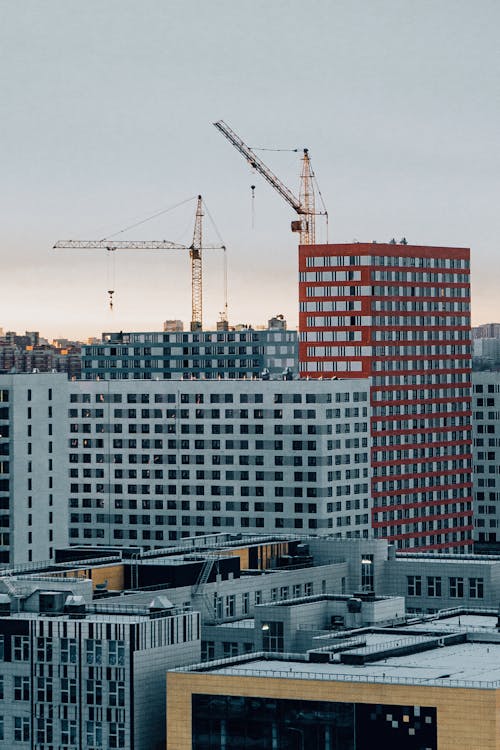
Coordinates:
[106,118]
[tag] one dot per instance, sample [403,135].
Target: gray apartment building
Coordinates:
[151,462]
[83,676]
[33,471]
[486,459]
[207,355]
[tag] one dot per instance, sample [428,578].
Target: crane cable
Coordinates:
[264,148]
[223,244]
[149,218]
[110,253]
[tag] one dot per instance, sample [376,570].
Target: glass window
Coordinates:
[272,636]
[434,586]
[456,587]
[476,588]
[414,585]
[21,728]
[21,688]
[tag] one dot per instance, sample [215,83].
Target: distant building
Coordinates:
[486,452]
[29,354]
[205,355]
[173,326]
[277,322]
[486,354]
[486,331]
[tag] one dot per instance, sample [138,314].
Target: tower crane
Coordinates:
[304,206]
[195,253]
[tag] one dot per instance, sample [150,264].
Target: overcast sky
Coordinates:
[106,112]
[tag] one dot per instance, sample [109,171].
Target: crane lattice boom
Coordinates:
[259,165]
[118,245]
[195,253]
[303,206]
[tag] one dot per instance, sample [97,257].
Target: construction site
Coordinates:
[304,226]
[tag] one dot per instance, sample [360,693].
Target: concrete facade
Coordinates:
[202,355]
[92,678]
[33,472]
[148,462]
[486,458]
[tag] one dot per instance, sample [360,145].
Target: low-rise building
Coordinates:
[83,676]
[430,685]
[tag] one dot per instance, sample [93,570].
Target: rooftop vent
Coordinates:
[74,606]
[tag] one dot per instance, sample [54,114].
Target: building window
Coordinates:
[245,603]
[229,648]
[68,690]
[456,587]
[116,734]
[68,732]
[272,637]
[433,585]
[367,573]
[207,650]
[93,650]
[44,649]
[21,648]
[476,588]
[230,609]
[414,585]
[94,733]
[116,693]
[21,688]
[94,693]
[68,651]
[116,653]
[21,728]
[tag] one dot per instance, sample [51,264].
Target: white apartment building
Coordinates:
[486,457]
[153,462]
[84,677]
[33,466]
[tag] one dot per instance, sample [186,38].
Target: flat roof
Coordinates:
[248,622]
[459,622]
[468,664]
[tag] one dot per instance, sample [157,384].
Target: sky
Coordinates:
[106,112]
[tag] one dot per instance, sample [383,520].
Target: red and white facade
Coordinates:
[400,315]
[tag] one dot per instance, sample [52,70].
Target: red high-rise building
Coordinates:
[400,314]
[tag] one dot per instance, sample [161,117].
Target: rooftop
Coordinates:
[447,657]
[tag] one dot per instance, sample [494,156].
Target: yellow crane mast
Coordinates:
[195,253]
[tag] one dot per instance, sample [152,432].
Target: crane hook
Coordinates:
[111,292]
